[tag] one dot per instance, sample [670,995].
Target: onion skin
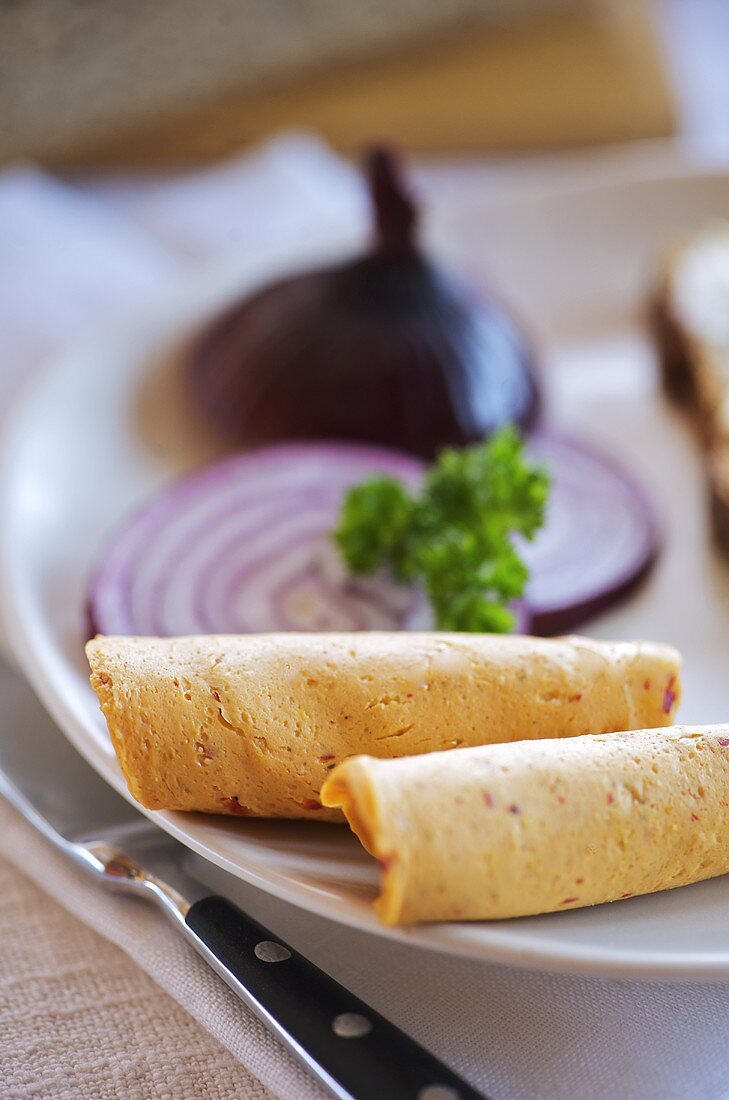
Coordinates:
[387,349]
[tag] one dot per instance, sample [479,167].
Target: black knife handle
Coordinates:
[356,1052]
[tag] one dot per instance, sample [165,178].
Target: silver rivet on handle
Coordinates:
[269,952]
[438,1092]
[350,1025]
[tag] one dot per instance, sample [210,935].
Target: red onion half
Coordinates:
[386,349]
[246,546]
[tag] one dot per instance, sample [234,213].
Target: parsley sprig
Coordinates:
[455,537]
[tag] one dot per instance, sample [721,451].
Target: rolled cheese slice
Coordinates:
[538,826]
[252,724]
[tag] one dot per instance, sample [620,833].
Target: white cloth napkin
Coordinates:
[75,257]
[71,257]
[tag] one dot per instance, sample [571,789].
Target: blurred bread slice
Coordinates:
[692,333]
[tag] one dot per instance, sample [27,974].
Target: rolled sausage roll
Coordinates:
[253,724]
[539,826]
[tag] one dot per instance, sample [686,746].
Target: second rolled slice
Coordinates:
[513,830]
[253,724]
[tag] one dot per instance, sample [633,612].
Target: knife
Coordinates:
[353,1050]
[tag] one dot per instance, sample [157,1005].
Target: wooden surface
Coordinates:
[590,74]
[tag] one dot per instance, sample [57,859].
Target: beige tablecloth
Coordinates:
[78,1018]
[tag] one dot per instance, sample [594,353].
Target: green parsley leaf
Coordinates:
[456,536]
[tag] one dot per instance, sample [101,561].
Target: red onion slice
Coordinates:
[246,546]
[599,540]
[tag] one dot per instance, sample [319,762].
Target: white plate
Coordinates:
[576,262]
